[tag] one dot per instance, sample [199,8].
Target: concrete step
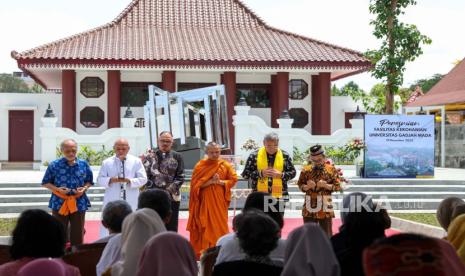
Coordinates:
[19,207]
[17,166]
[404,195]
[390,204]
[40,190]
[94,197]
[401,188]
[403,181]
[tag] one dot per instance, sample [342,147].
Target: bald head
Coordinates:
[121,148]
[69,149]
[213,150]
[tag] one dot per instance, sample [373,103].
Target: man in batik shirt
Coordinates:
[318,180]
[165,170]
[269,169]
[69,178]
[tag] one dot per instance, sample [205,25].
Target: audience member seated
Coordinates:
[449,209]
[138,228]
[258,235]
[362,224]
[46,267]
[37,235]
[113,216]
[154,199]
[456,236]
[167,253]
[230,249]
[309,253]
[411,254]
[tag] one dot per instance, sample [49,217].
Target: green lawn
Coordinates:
[418,217]
[6,226]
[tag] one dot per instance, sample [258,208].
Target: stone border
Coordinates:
[5,240]
[408,226]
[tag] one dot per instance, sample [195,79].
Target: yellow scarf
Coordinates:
[262,163]
[456,235]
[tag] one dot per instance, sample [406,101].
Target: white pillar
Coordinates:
[285,135]
[128,122]
[48,134]
[241,128]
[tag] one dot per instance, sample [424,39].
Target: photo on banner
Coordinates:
[399,146]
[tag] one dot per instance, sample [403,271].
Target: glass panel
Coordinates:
[298,89]
[92,87]
[92,117]
[256,95]
[135,93]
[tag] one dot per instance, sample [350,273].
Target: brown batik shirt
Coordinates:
[319,199]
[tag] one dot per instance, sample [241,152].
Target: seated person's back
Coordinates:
[258,235]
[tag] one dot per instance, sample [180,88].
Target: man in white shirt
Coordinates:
[122,175]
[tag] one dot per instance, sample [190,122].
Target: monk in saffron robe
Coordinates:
[210,195]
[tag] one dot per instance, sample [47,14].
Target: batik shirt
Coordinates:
[319,199]
[165,171]
[251,172]
[61,174]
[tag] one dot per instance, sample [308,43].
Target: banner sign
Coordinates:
[399,146]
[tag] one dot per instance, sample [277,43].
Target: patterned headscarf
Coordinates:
[411,254]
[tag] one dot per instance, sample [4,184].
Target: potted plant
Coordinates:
[354,149]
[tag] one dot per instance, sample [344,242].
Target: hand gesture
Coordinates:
[80,191]
[309,186]
[275,173]
[323,185]
[63,190]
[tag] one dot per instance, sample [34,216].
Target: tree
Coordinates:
[426,84]
[335,91]
[9,83]
[348,89]
[401,43]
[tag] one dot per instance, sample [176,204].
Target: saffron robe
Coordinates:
[208,207]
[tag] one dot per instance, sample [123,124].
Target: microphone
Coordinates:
[123,185]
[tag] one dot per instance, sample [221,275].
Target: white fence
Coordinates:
[253,127]
[246,127]
[51,137]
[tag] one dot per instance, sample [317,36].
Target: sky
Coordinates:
[29,23]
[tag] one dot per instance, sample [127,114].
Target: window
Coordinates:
[256,95]
[92,87]
[92,117]
[300,117]
[183,86]
[298,89]
[136,93]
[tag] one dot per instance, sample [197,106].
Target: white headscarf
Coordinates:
[309,253]
[138,228]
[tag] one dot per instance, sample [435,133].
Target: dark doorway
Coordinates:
[21,136]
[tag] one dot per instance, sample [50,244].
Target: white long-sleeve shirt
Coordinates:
[110,255]
[133,170]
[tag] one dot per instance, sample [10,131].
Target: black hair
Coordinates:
[256,200]
[258,234]
[364,227]
[38,235]
[114,214]
[157,200]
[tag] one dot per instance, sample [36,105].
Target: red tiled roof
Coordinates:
[192,31]
[449,90]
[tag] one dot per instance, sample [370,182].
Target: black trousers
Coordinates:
[75,222]
[173,224]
